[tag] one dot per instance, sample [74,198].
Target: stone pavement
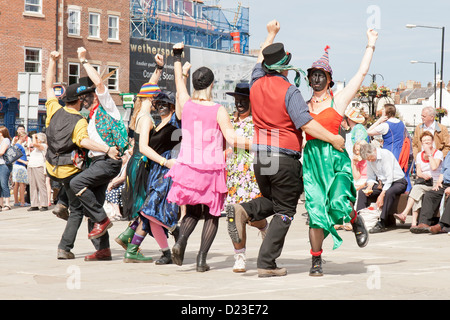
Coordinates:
[396,265]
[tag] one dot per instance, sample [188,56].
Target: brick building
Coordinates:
[31,29]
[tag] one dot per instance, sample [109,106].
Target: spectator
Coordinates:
[19,173]
[37,174]
[382,166]
[25,142]
[428,164]
[441,138]
[431,202]
[5,169]
[354,120]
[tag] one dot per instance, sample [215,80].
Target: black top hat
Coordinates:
[274,53]
[71,93]
[86,86]
[166,96]
[242,89]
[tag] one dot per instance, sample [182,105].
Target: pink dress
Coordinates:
[199,175]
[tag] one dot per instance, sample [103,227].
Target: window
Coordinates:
[32,60]
[113,80]
[74,73]
[94,25]
[113,27]
[34,6]
[74,22]
[178,7]
[162,5]
[197,10]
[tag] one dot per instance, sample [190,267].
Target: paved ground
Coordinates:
[396,265]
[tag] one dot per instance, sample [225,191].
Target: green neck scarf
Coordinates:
[279,66]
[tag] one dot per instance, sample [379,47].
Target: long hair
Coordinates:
[136,109]
[205,94]
[5,132]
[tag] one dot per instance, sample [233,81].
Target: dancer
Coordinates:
[134,193]
[280,115]
[157,143]
[329,189]
[199,172]
[241,181]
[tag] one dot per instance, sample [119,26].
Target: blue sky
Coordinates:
[308,26]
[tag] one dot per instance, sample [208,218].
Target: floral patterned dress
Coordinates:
[241,181]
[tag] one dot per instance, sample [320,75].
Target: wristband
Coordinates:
[159,67]
[373,47]
[177,54]
[163,162]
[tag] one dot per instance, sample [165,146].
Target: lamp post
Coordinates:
[410,26]
[415,61]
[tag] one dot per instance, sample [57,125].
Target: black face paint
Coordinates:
[318,80]
[163,108]
[242,104]
[87,100]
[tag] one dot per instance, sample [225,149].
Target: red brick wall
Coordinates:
[17,31]
[100,51]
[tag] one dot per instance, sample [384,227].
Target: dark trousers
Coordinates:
[279,180]
[397,188]
[430,203]
[96,179]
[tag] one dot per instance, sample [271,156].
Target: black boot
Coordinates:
[178,250]
[175,233]
[201,262]
[166,258]
[316,268]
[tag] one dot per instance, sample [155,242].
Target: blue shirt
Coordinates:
[295,104]
[445,171]
[23,157]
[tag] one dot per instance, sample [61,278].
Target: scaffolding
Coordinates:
[192,22]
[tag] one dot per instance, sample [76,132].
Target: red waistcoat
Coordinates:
[273,126]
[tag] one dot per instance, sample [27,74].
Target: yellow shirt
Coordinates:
[79,133]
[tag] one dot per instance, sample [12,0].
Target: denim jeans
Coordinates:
[5,171]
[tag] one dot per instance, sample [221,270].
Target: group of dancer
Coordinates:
[172,169]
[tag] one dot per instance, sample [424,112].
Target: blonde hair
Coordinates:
[205,94]
[136,109]
[42,137]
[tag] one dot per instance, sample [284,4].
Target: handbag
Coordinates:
[12,154]
[428,182]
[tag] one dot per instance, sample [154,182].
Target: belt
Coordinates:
[279,154]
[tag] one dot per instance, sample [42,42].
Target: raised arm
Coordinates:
[272,29]
[178,105]
[344,97]
[180,83]
[159,59]
[50,76]
[223,119]
[91,72]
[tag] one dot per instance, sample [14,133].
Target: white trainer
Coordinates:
[239,263]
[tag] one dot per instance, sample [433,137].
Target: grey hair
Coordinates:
[431,111]
[42,137]
[367,150]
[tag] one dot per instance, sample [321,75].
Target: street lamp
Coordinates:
[410,26]
[415,61]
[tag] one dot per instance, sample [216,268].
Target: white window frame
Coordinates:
[178,7]
[29,4]
[162,6]
[197,10]
[38,62]
[94,26]
[113,28]
[77,75]
[76,23]
[113,80]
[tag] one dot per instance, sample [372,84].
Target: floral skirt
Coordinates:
[19,174]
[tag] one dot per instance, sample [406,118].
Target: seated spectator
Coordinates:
[19,173]
[382,166]
[432,201]
[428,166]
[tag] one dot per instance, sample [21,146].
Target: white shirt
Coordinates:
[107,102]
[385,168]
[426,167]
[384,127]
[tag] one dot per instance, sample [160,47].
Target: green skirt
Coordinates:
[329,188]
